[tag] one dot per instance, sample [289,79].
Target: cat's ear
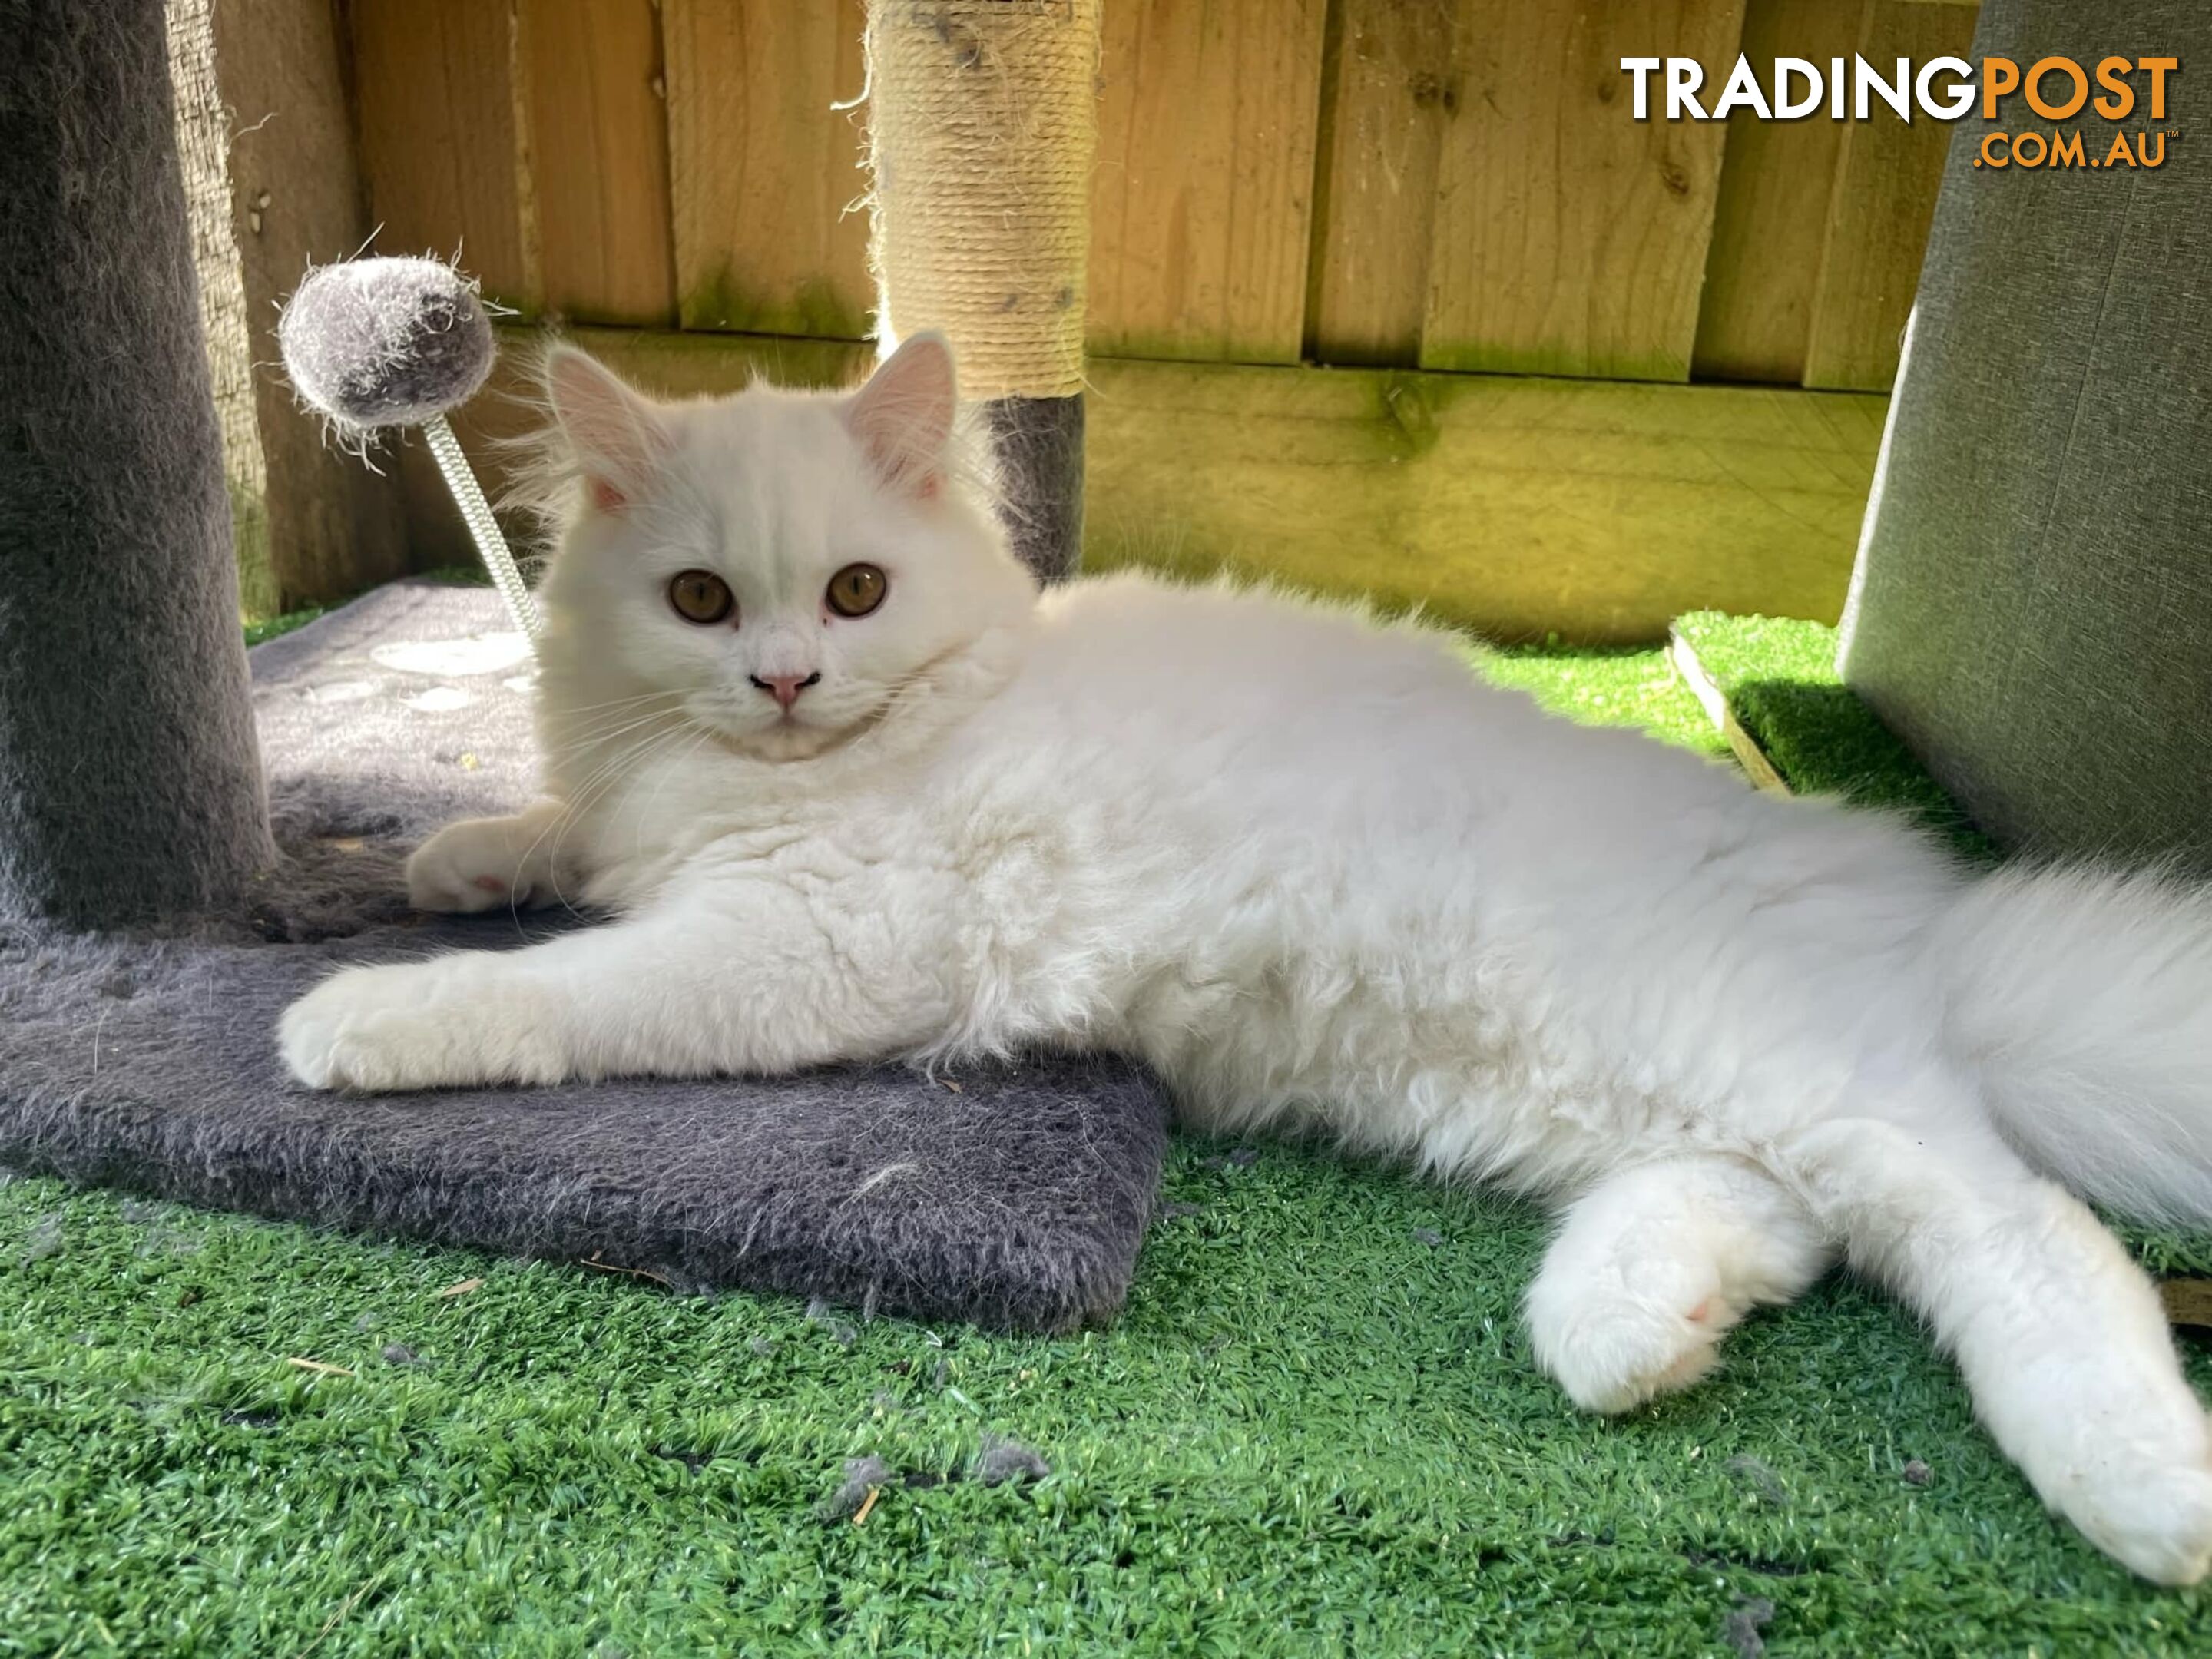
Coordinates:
[619,443]
[904,416]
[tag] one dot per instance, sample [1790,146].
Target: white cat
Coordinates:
[856,791]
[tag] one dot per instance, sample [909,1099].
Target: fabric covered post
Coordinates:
[129,783]
[982,126]
[2032,609]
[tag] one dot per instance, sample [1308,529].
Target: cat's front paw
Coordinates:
[421,1025]
[487,864]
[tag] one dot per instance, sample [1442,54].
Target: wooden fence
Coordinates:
[1413,187]
[1441,184]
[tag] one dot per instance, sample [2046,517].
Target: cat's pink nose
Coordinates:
[785,688]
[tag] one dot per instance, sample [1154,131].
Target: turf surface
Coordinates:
[1316,1430]
[1779,678]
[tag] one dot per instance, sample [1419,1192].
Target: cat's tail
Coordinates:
[2084,1000]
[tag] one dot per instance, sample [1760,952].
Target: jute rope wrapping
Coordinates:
[982,127]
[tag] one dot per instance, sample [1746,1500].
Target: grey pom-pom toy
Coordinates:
[378,343]
[387,342]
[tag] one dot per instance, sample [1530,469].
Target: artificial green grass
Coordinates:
[1632,688]
[269,627]
[1316,1430]
[1779,678]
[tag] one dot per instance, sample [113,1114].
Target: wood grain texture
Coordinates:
[1388,90]
[764,170]
[1887,180]
[1691,670]
[1519,506]
[441,146]
[1570,239]
[1516,506]
[333,527]
[1201,207]
[597,145]
[203,127]
[2187,1302]
[1770,224]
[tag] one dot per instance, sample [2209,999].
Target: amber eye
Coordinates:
[856,589]
[700,596]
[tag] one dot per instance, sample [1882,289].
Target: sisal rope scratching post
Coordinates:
[982,126]
[129,786]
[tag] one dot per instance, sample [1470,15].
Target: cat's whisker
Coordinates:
[575,710]
[602,783]
[570,807]
[610,725]
[617,741]
[645,813]
[614,702]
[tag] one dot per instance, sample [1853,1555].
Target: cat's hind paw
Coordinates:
[1612,1351]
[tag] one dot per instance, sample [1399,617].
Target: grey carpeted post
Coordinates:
[2033,607]
[128,783]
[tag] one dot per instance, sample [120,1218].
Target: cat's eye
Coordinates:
[700,596]
[856,589]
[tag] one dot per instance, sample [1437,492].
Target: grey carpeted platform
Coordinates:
[1016,1200]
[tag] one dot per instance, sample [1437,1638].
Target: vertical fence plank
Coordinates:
[203,123]
[440,151]
[1770,226]
[1389,88]
[273,183]
[1201,209]
[1570,239]
[598,158]
[1884,202]
[763,169]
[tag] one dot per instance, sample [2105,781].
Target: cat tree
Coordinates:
[130,787]
[152,927]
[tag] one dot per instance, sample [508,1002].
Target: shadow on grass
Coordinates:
[1824,741]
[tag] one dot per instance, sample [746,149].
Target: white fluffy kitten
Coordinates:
[856,791]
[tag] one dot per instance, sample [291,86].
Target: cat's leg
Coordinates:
[1654,1265]
[487,864]
[2060,1336]
[733,975]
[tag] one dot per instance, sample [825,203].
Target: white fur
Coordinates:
[1320,877]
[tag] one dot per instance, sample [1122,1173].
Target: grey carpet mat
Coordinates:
[1015,1198]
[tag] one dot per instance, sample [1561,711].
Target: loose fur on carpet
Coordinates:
[1014,1198]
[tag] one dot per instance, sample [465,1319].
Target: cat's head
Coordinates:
[778,565]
